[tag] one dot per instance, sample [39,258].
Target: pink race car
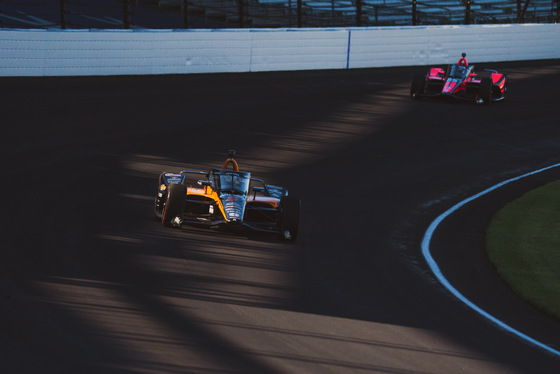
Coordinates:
[461,81]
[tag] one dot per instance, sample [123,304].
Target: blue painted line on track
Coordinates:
[441,278]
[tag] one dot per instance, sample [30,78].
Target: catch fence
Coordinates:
[177,14]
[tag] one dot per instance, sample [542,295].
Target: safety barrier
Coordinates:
[141,52]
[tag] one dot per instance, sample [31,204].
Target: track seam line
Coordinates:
[439,275]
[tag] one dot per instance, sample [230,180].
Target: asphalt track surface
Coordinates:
[90,281]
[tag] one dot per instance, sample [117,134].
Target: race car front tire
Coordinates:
[485,92]
[289,217]
[417,86]
[174,204]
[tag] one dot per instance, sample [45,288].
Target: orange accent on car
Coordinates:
[210,193]
[273,202]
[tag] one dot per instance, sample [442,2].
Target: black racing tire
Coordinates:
[505,88]
[174,203]
[289,217]
[159,203]
[158,213]
[160,197]
[417,86]
[485,92]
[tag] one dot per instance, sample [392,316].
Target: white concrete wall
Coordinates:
[444,44]
[123,52]
[298,50]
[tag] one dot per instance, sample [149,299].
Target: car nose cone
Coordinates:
[234,208]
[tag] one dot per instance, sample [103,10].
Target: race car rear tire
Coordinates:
[504,92]
[289,217]
[159,202]
[485,92]
[158,206]
[174,203]
[417,86]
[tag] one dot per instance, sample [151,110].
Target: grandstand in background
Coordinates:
[332,13]
[114,14]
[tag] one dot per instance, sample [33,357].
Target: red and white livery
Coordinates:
[461,81]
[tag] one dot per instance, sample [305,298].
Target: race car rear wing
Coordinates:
[270,190]
[169,178]
[188,177]
[191,177]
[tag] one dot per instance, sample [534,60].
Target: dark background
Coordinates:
[90,281]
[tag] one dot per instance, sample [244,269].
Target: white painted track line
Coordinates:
[439,275]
